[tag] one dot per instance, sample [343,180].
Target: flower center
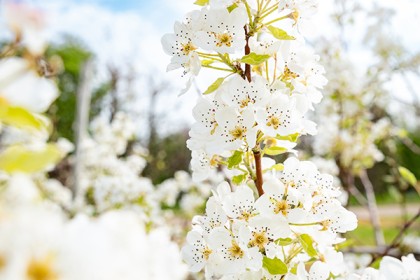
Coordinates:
[224,39]
[245,102]
[206,253]
[281,206]
[326,224]
[41,270]
[245,215]
[260,239]
[187,48]
[235,250]
[289,74]
[215,160]
[273,121]
[295,15]
[2,262]
[238,132]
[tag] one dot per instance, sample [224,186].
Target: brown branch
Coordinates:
[258,172]
[396,242]
[247,73]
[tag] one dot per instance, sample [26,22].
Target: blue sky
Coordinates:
[122,5]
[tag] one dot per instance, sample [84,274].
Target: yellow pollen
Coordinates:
[224,39]
[245,102]
[325,224]
[235,250]
[214,161]
[245,215]
[206,253]
[259,239]
[238,132]
[281,206]
[295,16]
[41,269]
[273,121]
[289,74]
[187,48]
[2,262]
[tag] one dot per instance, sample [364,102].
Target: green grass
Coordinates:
[364,235]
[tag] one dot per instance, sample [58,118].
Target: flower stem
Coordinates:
[217,68]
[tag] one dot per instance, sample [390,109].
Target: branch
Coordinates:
[247,73]
[258,171]
[373,208]
[396,242]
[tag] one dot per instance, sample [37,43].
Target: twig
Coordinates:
[410,145]
[373,208]
[396,241]
[82,118]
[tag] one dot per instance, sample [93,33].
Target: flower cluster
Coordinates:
[238,112]
[40,242]
[348,130]
[114,181]
[183,193]
[257,110]
[391,268]
[44,233]
[296,220]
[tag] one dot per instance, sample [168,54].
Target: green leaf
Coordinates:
[291,137]
[407,175]
[19,158]
[308,244]
[278,167]
[20,117]
[254,59]
[201,2]
[232,7]
[238,179]
[235,159]
[274,151]
[274,266]
[207,62]
[294,269]
[284,241]
[280,33]
[214,86]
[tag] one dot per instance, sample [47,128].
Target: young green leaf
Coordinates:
[235,159]
[207,62]
[290,137]
[20,118]
[238,179]
[278,167]
[407,175]
[254,59]
[280,33]
[232,7]
[308,244]
[201,2]
[18,158]
[274,266]
[274,151]
[284,241]
[214,86]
